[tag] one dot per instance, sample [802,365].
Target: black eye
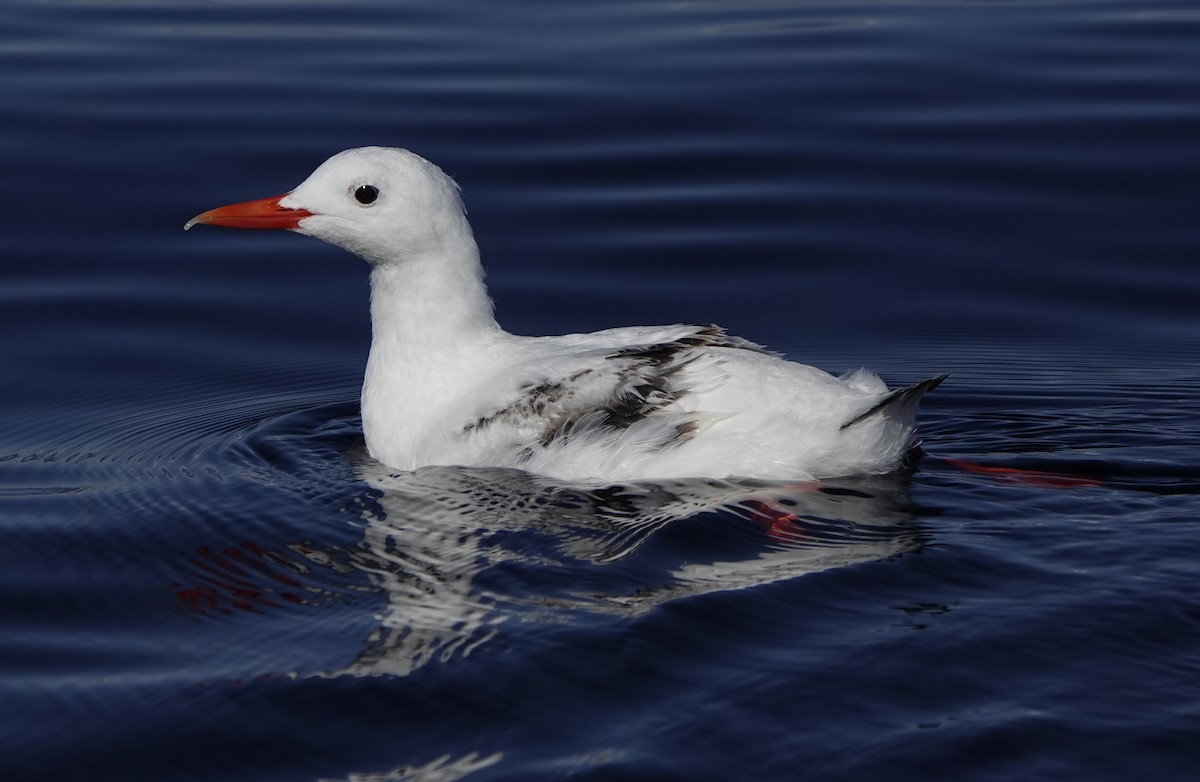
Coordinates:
[366,194]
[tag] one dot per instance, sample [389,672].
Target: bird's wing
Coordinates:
[606,382]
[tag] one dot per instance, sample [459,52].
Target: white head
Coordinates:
[384,204]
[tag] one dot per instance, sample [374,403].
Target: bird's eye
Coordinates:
[366,194]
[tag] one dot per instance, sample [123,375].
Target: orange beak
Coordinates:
[263,213]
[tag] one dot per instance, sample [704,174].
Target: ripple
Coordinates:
[790,25]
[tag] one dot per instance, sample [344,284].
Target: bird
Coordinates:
[445,384]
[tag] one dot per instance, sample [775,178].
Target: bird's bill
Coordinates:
[263,213]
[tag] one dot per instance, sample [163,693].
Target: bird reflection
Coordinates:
[452,554]
[458,552]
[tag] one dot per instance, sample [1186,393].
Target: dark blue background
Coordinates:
[192,579]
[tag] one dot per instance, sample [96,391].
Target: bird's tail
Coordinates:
[900,404]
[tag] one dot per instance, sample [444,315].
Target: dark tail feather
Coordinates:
[899,398]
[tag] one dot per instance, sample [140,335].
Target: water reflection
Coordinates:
[457,552]
[446,556]
[443,769]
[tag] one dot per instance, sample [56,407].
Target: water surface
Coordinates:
[203,576]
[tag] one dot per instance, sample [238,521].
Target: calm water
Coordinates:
[202,576]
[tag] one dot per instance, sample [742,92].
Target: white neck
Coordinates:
[427,303]
[432,323]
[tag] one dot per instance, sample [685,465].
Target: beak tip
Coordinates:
[197,220]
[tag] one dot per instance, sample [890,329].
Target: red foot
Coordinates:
[778,523]
[1030,477]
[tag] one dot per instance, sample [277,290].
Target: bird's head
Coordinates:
[384,204]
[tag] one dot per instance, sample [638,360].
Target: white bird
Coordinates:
[446,385]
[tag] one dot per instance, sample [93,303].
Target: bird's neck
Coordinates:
[430,305]
[433,331]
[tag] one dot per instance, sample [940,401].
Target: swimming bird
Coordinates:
[446,385]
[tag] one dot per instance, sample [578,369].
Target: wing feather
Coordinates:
[604,389]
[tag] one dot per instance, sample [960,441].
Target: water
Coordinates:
[202,575]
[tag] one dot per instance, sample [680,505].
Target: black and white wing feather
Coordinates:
[606,389]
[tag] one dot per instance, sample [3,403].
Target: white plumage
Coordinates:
[446,385]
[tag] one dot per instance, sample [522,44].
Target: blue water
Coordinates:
[203,576]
